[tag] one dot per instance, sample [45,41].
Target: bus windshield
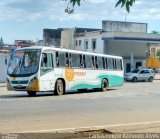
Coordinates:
[24,62]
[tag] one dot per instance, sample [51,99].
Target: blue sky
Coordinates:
[26,19]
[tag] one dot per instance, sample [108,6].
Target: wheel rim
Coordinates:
[104,85]
[60,87]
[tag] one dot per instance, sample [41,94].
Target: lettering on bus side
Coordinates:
[70,74]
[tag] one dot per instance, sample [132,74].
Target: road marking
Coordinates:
[89,127]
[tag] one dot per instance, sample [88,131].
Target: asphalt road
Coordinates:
[129,104]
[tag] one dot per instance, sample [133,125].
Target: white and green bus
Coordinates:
[40,69]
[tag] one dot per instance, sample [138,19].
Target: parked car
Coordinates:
[140,75]
[157,70]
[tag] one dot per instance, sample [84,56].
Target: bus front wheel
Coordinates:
[31,93]
[59,87]
[104,85]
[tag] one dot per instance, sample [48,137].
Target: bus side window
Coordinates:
[47,61]
[75,60]
[96,64]
[115,63]
[119,64]
[93,63]
[61,59]
[44,60]
[99,62]
[103,63]
[57,59]
[89,61]
[84,61]
[80,61]
[70,60]
[67,60]
[110,63]
[106,63]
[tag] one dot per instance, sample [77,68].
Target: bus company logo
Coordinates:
[70,74]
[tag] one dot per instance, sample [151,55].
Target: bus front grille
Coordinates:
[20,82]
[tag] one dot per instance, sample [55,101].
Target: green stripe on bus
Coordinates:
[85,86]
[113,81]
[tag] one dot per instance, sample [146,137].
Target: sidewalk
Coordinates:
[3,85]
[134,131]
[157,76]
[3,88]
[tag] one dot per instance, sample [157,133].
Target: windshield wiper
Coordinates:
[16,68]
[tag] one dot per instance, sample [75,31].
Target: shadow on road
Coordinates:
[46,94]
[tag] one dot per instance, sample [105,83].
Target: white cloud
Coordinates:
[31,16]
[97,1]
[89,10]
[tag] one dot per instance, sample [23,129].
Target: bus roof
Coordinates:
[67,50]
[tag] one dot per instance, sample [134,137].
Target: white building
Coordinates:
[3,67]
[127,39]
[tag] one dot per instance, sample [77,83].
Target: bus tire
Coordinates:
[31,93]
[59,87]
[104,85]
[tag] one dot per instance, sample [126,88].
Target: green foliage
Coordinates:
[74,2]
[158,53]
[155,32]
[126,3]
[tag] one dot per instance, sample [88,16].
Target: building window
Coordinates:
[138,64]
[80,42]
[85,44]
[93,44]
[76,42]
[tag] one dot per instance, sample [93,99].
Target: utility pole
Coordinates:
[1,43]
[125,17]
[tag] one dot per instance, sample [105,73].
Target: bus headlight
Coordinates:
[33,84]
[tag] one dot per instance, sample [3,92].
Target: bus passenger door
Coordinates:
[46,72]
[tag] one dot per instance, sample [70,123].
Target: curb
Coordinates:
[110,129]
[3,85]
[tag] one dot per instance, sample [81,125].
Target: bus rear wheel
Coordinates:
[59,87]
[31,93]
[104,85]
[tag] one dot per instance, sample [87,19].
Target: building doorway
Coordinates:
[128,67]
[138,64]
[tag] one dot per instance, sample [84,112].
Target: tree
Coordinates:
[124,3]
[158,53]
[155,32]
